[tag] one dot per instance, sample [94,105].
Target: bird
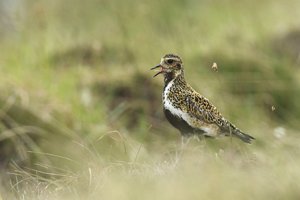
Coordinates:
[189,111]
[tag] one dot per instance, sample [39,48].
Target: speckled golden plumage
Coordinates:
[186,109]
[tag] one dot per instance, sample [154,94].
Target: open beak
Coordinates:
[161,69]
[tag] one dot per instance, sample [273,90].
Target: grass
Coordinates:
[235,171]
[81,116]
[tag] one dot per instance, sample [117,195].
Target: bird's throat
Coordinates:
[168,77]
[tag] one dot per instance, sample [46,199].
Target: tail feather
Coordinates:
[239,134]
[243,136]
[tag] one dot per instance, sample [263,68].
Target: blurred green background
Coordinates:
[81,116]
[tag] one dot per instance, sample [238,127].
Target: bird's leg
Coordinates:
[201,138]
[184,141]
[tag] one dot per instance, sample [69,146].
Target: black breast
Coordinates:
[180,124]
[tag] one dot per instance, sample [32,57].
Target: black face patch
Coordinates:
[178,66]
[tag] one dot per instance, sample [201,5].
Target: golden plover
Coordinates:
[189,111]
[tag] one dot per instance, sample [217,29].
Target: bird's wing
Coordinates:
[200,108]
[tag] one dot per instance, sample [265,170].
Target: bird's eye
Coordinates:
[170,61]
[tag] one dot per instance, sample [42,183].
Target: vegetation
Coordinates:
[81,115]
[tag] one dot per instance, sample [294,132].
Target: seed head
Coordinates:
[215,67]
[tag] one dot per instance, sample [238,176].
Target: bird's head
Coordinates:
[170,64]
